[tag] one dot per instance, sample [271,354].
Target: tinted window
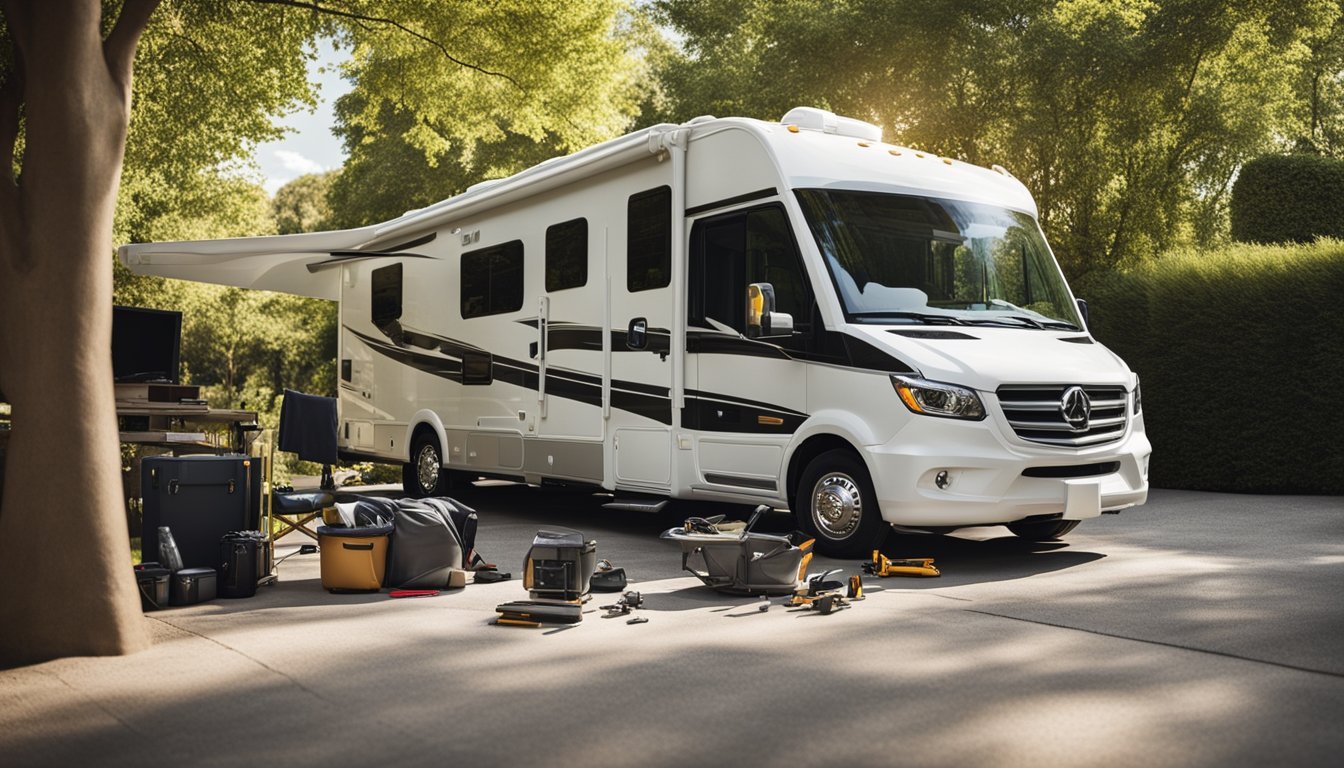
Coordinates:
[492,280]
[386,301]
[567,255]
[649,240]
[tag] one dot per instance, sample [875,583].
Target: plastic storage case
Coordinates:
[153,582]
[353,559]
[192,585]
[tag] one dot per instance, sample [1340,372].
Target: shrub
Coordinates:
[1241,362]
[1288,199]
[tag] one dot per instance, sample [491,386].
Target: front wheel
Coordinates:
[835,503]
[1046,531]
[424,475]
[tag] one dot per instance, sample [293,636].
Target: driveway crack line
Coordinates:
[1177,646]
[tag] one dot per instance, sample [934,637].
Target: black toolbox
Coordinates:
[192,585]
[200,498]
[152,580]
[242,563]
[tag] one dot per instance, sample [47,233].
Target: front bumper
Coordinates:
[985,482]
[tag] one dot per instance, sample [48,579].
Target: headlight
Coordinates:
[1138,396]
[933,398]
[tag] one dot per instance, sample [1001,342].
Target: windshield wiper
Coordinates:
[1004,320]
[1029,322]
[922,317]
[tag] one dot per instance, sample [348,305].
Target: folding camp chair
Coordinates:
[308,428]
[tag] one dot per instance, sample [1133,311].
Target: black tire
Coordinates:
[424,474]
[1044,531]
[835,503]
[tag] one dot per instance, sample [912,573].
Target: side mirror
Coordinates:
[1082,310]
[762,319]
[637,335]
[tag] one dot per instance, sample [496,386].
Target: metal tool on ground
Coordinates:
[822,594]
[883,566]
[625,604]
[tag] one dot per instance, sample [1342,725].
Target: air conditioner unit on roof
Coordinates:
[813,119]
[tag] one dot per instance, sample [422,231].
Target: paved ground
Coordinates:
[1201,629]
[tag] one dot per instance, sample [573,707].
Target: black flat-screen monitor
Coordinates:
[146,345]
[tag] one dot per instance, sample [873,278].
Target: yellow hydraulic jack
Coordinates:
[882,566]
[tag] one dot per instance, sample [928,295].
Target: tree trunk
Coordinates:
[66,585]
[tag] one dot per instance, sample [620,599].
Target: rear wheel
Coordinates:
[1043,531]
[424,475]
[835,503]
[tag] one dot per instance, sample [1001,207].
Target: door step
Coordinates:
[650,506]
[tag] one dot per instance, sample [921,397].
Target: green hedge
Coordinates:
[1241,356]
[1288,199]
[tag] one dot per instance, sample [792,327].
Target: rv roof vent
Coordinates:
[814,119]
[700,119]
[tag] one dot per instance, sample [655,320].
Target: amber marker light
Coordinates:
[919,154]
[908,399]
[894,152]
[947,161]
[793,129]
[864,144]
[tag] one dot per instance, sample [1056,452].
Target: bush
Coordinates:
[1288,199]
[1241,362]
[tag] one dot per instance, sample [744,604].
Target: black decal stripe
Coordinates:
[715,343]
[719,416]
[862,354]
[641,399]
[657,408]
[727,201]
[765,484]
[777,409]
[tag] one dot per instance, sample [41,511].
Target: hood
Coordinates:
[984,358]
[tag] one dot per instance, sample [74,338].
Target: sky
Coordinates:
[310,147]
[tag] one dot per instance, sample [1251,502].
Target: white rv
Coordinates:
[790,313]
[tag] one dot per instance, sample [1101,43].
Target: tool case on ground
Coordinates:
[242,562]
[200,498]
[559,565]
[192,585]
[152,580]
[736,560]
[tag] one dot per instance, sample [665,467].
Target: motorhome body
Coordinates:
[789,313]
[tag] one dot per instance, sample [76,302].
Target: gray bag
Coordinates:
[424,549]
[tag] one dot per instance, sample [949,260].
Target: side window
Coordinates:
[385,303]
[649,240]
[566,255]
[492,280]
[729,252]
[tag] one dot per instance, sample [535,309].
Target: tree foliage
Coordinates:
[1126,118]
[543,79]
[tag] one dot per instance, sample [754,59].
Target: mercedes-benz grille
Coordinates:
[1050,413]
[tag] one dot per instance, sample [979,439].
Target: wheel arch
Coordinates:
[824,431]
[427,420]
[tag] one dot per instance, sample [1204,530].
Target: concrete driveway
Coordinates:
[1201,629]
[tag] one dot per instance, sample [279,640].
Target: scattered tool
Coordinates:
[823,595]
[607,578]
[625,604]
[882,566]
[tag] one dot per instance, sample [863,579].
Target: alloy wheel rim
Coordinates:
[427,468]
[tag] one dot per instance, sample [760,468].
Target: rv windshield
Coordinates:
[905,259]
